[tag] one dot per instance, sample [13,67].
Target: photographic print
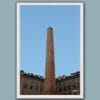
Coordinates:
[50,50]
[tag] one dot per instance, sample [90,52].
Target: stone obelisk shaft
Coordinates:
[50,82]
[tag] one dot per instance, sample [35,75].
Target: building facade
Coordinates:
[34,84]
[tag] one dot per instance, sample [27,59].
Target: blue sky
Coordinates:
[34,21]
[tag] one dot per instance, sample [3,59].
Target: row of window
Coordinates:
[66,83]
[63,88]
[70,87]
[25,86]
[32,81]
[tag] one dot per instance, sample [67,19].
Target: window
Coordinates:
[31,87]
[69,88]
[24,86]
[36,88]
[31,81]
[41,88]
[64,88]
[59,89]
[74,86]
[78,86]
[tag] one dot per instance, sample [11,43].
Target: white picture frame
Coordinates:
[81,49]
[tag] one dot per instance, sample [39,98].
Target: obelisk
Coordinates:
[50,81]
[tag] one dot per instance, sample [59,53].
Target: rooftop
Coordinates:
[31,75]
